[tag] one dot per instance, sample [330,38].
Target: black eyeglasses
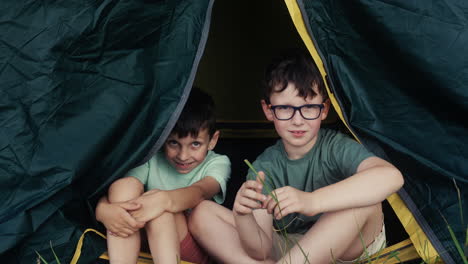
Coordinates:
[286,112]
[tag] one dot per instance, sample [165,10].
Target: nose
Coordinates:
[183,154]
[297,118]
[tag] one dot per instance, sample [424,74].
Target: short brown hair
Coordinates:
[198,114]
[298,68]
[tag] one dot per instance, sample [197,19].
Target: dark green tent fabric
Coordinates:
[88,89]
[400,72]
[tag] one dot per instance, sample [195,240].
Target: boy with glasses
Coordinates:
[318,186]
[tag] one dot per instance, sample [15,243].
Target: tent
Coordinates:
[90,89]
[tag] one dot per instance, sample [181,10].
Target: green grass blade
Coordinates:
[55,255]
[42,259]
[455,241]
[459,201]
[250,166]
[393,255]
[283,232]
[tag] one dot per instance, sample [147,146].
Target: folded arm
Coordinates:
[116,217]
[155,202]
[374,181]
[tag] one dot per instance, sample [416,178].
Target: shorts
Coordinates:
[190,251]
[280,246]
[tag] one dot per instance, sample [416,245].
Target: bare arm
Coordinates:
[374,181]
[189,197]
[254,226]
[255,233]
[116,217]
[154,203]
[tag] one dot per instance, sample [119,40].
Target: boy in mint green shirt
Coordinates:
[158,195]
[328,188]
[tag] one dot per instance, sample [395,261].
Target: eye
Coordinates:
[171,142]
[309,106]
[283,107]
[196,144]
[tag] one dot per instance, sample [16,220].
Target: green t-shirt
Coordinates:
[157,173]
[334,157]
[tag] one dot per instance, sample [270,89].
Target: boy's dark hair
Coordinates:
[198,114]
[298,68]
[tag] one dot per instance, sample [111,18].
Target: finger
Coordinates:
[127,231]
[131,222]
[120,234]
[277,192]
[253,185]
[240,209]
[130,206]
[287,207]
[140,224]
[260,178]
[142,217]
[277,196]
[281,212]
[253,204]
[271,205]
[253,195]
[135,214]
[266,202]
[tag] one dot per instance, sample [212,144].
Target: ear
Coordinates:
[266,110]
[326,108]
[213,140]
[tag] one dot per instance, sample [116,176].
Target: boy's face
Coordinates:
[298,134]
[186,153]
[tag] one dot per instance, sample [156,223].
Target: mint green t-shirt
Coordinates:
[334,157]
[157,173]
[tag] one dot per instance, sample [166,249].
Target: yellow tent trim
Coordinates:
[301,28]
[144,258]
[77,254]
[420,241]
[403,250]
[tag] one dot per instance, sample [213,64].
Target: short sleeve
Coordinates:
[349,153]
[141,173]
[220,169]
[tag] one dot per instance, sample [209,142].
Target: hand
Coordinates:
[287,200]
[117,219]
[249,196]
[153,204]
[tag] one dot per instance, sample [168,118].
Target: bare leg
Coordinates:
[124,250]
[164,236]
[338,234]
[213,226]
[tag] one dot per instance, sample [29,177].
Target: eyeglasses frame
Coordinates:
[296,108]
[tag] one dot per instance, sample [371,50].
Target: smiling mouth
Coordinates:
[297,133]
[183,165]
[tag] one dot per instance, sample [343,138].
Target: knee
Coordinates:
[160,222]
[199,215]
[368,212]
[359,215]
[125,189]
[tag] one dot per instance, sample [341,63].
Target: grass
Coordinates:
[289,242]
[367,258]
[282,231]
[40,258]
